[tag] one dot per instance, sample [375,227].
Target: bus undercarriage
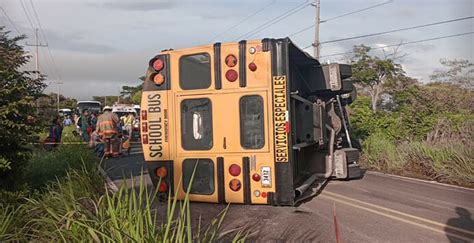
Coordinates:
[321,145]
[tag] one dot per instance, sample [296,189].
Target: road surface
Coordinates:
[377,208]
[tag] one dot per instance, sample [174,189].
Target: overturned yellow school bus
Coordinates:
[255,122]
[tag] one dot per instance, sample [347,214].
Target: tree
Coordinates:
[18,126]
[47,106]
[460,72]
[373,72]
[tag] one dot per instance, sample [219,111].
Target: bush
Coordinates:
[381,153]
[45,167]
[449,162]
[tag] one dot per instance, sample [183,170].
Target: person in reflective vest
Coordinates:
[106,128]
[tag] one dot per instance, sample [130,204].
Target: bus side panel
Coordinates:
[283,148]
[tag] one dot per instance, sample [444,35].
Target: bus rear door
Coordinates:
[226,134]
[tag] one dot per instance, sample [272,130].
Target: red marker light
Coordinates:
[287,127]
[256,177]
[264,194]
[161,172]
[145,138]
[144,127]
[234,170]
[163,187]
[235,185]
[144,115]
[158,64]
[231,75]
[230,60]
[253,67]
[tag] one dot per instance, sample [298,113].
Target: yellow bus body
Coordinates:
[165,124]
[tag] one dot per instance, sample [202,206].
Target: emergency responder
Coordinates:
[107,130]
[128,123]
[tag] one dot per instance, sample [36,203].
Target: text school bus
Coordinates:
[256,121]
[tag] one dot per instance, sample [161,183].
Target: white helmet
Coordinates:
[107,108]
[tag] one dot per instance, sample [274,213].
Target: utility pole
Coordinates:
[37,45]
[37,67]
[57,91]
[316,43]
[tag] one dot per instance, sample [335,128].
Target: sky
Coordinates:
[97,46]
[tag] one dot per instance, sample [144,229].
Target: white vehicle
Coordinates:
[91,106]
[137,109]
[123,110]
[65,112]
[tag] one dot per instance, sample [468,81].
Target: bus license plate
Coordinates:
[266,176]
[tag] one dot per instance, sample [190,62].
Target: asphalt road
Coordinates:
[377,208]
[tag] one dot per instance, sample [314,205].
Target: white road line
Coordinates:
[397,218]
[432,183]
[397,212]
[110,184]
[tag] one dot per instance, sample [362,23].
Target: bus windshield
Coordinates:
[92,106]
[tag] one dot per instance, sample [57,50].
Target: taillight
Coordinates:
[163,187]
[158,79]
[158,64]
[264,194]
[144,115]
[234,170]
[235,185]
[144,127]
[231,75]
[230,60]
[161,172]
[253,67]
[145,138]
[256,177]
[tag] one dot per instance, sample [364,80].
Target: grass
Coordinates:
[45,167]
[78,209]
[72,205]
[67,134]
[449,162]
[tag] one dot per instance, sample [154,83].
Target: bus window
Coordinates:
[195,71]
[251,122]
[203,181]
[196,124]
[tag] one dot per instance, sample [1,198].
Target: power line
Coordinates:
[275,20]
[357,11]
[340,16]
[397,30]
[401,44]
[38,21]
[27,16]
[58,76]
[243,20]
[10,20]
[55,67]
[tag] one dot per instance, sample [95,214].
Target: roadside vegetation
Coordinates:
[415,129]
[77,208]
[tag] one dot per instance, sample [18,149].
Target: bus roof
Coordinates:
[88,101]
